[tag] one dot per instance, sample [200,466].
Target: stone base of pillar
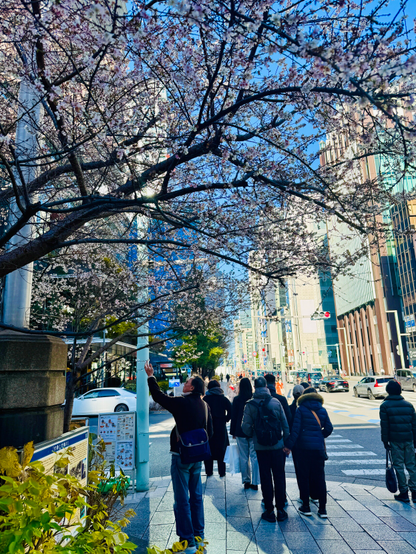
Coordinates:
[32,387]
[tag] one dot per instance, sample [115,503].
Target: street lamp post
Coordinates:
[338,358]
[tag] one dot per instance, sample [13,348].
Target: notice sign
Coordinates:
[118,431]
[49,452]
[174,383]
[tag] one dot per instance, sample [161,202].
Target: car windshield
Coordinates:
[385,380]
[316,375]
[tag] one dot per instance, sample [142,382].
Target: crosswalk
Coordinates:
[358,409]
[343,452]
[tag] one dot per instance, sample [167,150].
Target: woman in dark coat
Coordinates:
[310,427]
[250,474]
[221,413]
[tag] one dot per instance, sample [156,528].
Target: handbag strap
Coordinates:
[317,419]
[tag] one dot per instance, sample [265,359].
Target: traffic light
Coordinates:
[321,315]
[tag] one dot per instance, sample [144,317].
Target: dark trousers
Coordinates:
[272,472]
[311,468]
[209,467]
[312,488]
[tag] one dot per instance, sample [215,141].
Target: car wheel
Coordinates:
[370,394]
[121,408]
[355,393]
[414,387]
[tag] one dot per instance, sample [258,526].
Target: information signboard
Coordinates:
[174,383]
[48,453]
[118,431]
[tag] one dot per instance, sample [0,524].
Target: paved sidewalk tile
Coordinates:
[362,520]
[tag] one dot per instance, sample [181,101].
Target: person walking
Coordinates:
[311,426]
[265,421]
[190,413]
[296,392]
[228,378]
[398,433]
[248,458]
[221,413]
[271,385]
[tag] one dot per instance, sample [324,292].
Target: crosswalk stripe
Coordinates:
[356,472]
[336,446]
[337,440]
[350,462]
[365,453]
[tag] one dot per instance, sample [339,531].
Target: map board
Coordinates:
[118,431]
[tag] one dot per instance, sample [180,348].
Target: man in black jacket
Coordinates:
[398,432]
[190,412]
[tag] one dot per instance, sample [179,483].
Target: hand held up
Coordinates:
[148,369]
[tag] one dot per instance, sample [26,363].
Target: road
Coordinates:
[355,451]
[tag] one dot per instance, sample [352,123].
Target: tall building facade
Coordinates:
[368,300]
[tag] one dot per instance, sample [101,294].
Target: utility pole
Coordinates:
[18,286]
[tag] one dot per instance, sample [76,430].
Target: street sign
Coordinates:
[255,354]
[174,383]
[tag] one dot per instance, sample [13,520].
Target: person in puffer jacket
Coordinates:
[398,433]
[310,427]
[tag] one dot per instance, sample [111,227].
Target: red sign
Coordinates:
[165,366]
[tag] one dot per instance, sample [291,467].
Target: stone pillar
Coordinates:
[32,387]
[363,315]
[359,338]
[354,344]
[373,340]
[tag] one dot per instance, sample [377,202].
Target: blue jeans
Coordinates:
[188,505]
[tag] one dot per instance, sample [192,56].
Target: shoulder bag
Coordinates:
[194,445]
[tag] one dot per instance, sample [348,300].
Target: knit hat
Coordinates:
[213,383]
[305,384]
[309,390]
[393,387]
[260,382]
[298,390]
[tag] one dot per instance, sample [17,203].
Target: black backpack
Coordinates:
[267,425]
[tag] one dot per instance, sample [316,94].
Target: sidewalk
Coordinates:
[363,519]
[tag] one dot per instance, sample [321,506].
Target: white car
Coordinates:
[372,387]
[101,401]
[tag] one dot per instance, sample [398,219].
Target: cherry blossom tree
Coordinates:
[202,119]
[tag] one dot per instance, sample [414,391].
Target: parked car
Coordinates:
[101,401]
[372,387]
[407,379]
[334,383]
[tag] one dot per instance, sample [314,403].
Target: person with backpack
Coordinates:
[265,421]
[310,427]
[189,446]
[398,433]
[274,391]
[247,455]
[221,413]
